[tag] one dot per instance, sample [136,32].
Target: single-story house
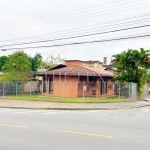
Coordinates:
[76,80]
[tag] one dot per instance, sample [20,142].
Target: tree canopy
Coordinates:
[35,61]
[3,60]
[132,66]
[18,62]
[16,65]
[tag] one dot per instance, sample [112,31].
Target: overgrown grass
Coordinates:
[36,97]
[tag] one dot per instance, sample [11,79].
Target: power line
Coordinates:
[77,29]
[79,43]
[79,36]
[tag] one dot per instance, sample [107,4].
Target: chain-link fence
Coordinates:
[63,90]
[20,88]
[126,90]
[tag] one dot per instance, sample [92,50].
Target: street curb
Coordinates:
[73,108]
[56,108]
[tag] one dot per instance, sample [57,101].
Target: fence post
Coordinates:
[129,90]
[16,90]
[119,90]
[104,90]
[3,89]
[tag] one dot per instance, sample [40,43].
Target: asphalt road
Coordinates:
[22,129]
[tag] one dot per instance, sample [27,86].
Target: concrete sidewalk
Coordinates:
[9,103]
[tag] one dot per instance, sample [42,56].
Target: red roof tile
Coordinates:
[78,71]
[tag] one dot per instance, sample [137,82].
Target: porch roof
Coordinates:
[78,70]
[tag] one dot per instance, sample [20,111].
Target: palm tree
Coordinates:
[132,65]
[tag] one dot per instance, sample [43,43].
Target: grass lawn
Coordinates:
[68,100]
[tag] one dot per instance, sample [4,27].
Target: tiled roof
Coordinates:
[99,71]
[78,71]
[30,75]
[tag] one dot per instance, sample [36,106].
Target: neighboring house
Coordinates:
[109,67]
[98,64]
[41,69]
[75,80]
[33,84]
[92,63]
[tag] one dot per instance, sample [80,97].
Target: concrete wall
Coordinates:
[145,91]
[32,86]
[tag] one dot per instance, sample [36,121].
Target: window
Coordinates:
[92,80]
[51,85]
[103,86]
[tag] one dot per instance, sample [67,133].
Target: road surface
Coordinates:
[26,129]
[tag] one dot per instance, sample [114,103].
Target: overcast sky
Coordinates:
[36,20]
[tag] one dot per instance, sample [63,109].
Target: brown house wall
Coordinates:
[63,87]
[89,88]
[73,63]
[70,87]
[110,88]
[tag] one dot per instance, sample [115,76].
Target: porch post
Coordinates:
[98,88]
[42,84]
[47,85]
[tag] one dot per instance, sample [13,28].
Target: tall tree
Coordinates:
[35,61]
[131,66]
[3,60]
[52,61]
[18,62]
[148,78]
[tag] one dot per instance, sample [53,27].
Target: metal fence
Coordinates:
[127,90]
[20,88]
[103,90]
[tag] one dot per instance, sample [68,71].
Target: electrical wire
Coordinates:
[79,36]
[79,43]
[85,29]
